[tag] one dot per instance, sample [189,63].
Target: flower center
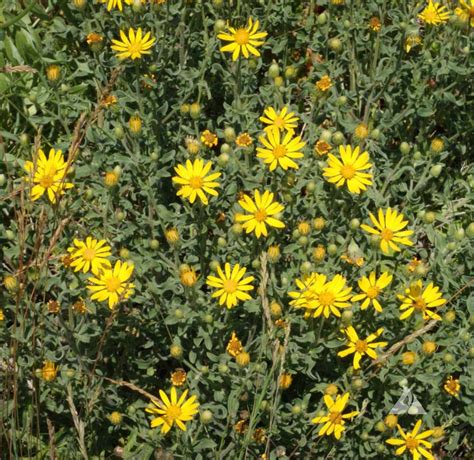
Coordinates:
[260,215]
[135,48]
[411,443]
[279,122]
[335,417]
[373,292]
[471,12]
[326,298]
[420,304]
[195,182]
[361,346]
[386,234]
[229,286]
[279,151]
[112,284]
[348,171]
[241,36]
[173,413]
[47,180]
[89,254]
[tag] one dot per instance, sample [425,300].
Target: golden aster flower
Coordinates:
[324,83]
[234,346]
[275,309]
[188,277]
[374,24]
[243,359]
[192,145]
[90,255]
[118,3]
[371,287]
[319,253]
[304,228]
[335,419]
[434,14]
[245,40]
[10,282]
[115,418]
[244,140]
[437,145]
[409,358]
[2,315]
[285,381]
[80,307]
[208,139]
[135,46]
[172,236]
[411,42]
[331,390]
[429,347]
[241,426]
[111,178]
[426,301]
[415,262]
[348,169]
[195,181]
[337,2]
[48,175]
[53,306]
[281,323]
[322,148]
[53,72]
[465,11]
[281,121]
[361,131]
[231,285]
[391,421]
[172,410]
[109,100]
[49,371]
[321,297]
[260,209]
[452,386]
[135,124]
[274,253]
[353,259]
[259,436]
[415,442]
[112,284]
[278,151]
[389,227]
[94,38]
[359,347]
[178,377]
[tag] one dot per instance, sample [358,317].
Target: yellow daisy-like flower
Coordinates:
[244,140]
[172,410]
[208,139]
[49,371]
[322,148]
[281,121]
[245,40]
[359,347]
[234,346]
[278,151]
[411,42]
[434,14]
[424,301]
[90,255]
[118,3]
[48,175]
[134,46]
[260,209]
[348,169]
[324,83]
[452,386]
[415,442]
[231,285]
[178,377]
[389,227]
[371,287]
[112,284]
[335,419]
[321,297]
[195,180]
[465,11]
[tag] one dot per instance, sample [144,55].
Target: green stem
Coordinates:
[19,16]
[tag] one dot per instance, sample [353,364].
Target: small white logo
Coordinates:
[407,404]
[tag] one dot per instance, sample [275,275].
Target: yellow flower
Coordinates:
[112,284]
[415,442]
[188,277]
[424,301]
[111,178]
[134,46]
[10,282]
[109,100]
[53,72]
[335,420]
[260,210]
[115,418]
[2,315]
[360,347]
[374,24]
[429,347]
[465,11]
[231,285]
[371,287]
[391,421]
[348,169]
[319,253]
[437,145]
[234,346]
[411,42]
[278,151]
[194,180]
[322,148]
[48,175]
[172,410]
[304,228]
[118,3]
[192,145]
[324,83]
[244,140]
[331,390]
[434,14]
[209,139]
[54,306]
[178,377]
[409,358]
[361,131]
[389,228]
[49,371]
[172,235]
[135,124]
[94,38]
[242,359]
[281,121]
[245,40]
[285,381]
[80,307]
[452,386]
[90,255]
[274,253]
[321,297]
